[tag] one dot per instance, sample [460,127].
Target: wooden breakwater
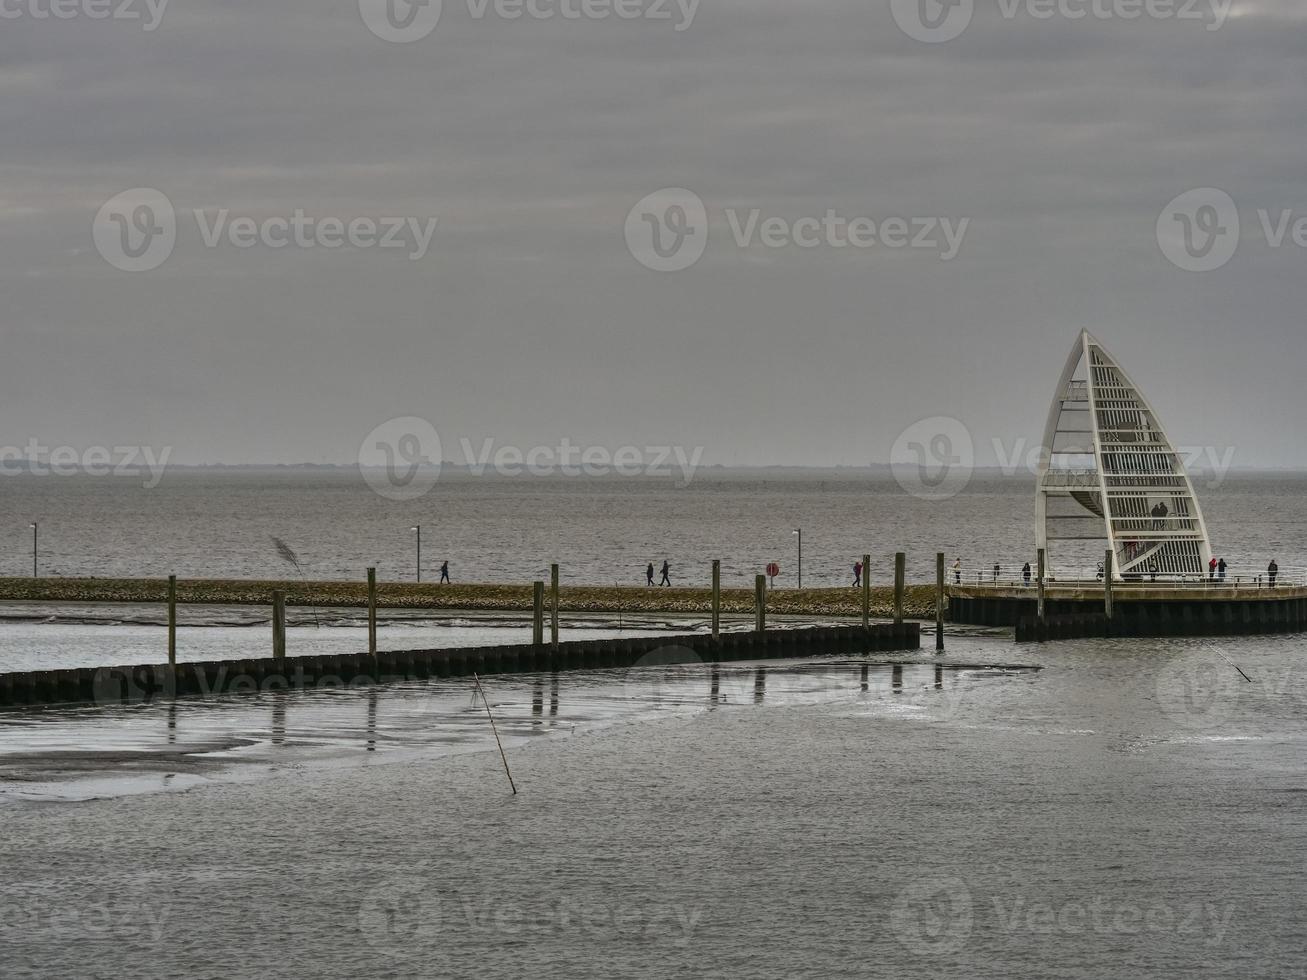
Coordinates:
[145,683]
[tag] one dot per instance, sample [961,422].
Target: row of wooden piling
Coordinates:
[543,601]
[151,682]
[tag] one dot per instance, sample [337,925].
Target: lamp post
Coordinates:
[34,530]
[418,528]
[799,532]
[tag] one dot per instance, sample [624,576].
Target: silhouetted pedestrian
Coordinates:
[666,580]
[1272,572]
[1159,513]
[1211,568]
[444,573]
[1220,569]
[996,574]
[648,574]
[857,574]
[957,571]
[1025,573]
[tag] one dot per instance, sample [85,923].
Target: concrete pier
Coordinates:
[1136,609]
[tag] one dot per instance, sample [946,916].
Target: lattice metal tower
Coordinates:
[1109,473]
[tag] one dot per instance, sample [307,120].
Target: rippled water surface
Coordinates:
[1133,809]
[601,531]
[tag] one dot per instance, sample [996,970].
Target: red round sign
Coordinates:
[773,569]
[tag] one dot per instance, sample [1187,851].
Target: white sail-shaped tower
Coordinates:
[1109,473]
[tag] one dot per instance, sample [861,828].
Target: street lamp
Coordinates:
[34,529]
[418,528]
[799,532]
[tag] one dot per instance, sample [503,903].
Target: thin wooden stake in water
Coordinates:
[866,592]
[939,602]
[553,606]
[486,702]
[538,615]
[172,621]
[1222,655]
[372,612]
[900,565]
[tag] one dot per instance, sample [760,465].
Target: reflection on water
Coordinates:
[70,753]
[55,636]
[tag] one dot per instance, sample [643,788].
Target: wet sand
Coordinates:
[80,752]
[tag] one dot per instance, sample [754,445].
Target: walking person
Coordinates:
[666,580]
[444,572]
[1211,568]
[957,571]
[1025,573]
[1220,570]
[1159,516]
[648,574]
[857,574]
[1098,574]
[1272,571]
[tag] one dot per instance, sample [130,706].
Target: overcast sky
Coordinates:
[1059,142]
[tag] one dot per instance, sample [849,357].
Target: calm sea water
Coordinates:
[505,529]
[1135,808]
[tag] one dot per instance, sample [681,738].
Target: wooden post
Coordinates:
[538,615]
[866,592]
[279,625]
[172,621]
[1039,601]
[760,603]
[939,602]
[553,605]
[1107,583]
[716,599]
[900,567]
[372,612]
